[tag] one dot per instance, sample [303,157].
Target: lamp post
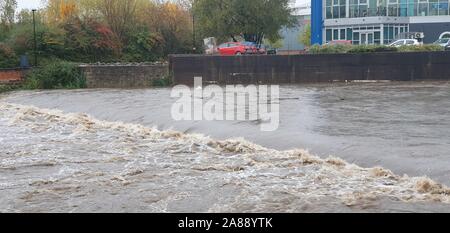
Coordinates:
[193,28]
[34,34]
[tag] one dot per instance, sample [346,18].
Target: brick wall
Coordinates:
[11,76]
[123,76]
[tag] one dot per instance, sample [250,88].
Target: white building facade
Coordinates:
[382,21]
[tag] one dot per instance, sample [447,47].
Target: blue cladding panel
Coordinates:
[316,21]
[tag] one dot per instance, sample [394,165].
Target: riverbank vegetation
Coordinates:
[6,88]
[55,75]
[96,31]
[91,31]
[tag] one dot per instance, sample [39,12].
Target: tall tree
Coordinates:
[120,15]
[252,19]
[7,12]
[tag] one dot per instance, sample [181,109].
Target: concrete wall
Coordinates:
[12,76]
[311,68]
[123,76]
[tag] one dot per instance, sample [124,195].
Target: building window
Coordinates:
[443,7]
[335,9]
[342,36]
[393,9]
[423,8]
[396,8]
[433,7]
[403,8]
[349,34]
[356,38]
[377,37]
[329,36]
[335,34]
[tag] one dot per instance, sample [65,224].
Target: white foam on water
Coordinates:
[69,159]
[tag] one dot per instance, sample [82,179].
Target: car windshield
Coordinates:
[399,42]
[249,43]
[442,41]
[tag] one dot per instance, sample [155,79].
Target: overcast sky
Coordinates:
[30,4]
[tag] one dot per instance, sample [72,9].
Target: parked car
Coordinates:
[238,48]
[266,49]
[251,47]
[404,42]
[232,48]
[444,42]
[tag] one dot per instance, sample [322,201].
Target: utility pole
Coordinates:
[35,42]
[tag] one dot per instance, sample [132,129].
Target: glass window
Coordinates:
[335,12]
[403,8]
[329,35]
[433,7]
[423,8]
[342,34]
[370,38]
[329,14]
[373,9]
[353,11]
[443,7]
[386,34]
[342,11]
[335,34]
[391,33]
[376,35]
[363,11]
[349,34]
[393,8]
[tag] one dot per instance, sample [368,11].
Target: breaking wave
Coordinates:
[55,161]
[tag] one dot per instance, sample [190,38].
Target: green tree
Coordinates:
[274,44]
[252,19]
[7,13]
[305,36]
[8,58]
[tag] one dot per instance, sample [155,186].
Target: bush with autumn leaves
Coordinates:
[90,31]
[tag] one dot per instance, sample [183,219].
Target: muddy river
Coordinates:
[339,148]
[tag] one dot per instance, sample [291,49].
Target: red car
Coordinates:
[234,48]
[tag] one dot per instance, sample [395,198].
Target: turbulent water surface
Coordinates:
[83,158]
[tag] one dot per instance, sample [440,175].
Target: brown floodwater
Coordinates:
[115,151]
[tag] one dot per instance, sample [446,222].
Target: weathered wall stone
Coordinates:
[310,68]
[123,76]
